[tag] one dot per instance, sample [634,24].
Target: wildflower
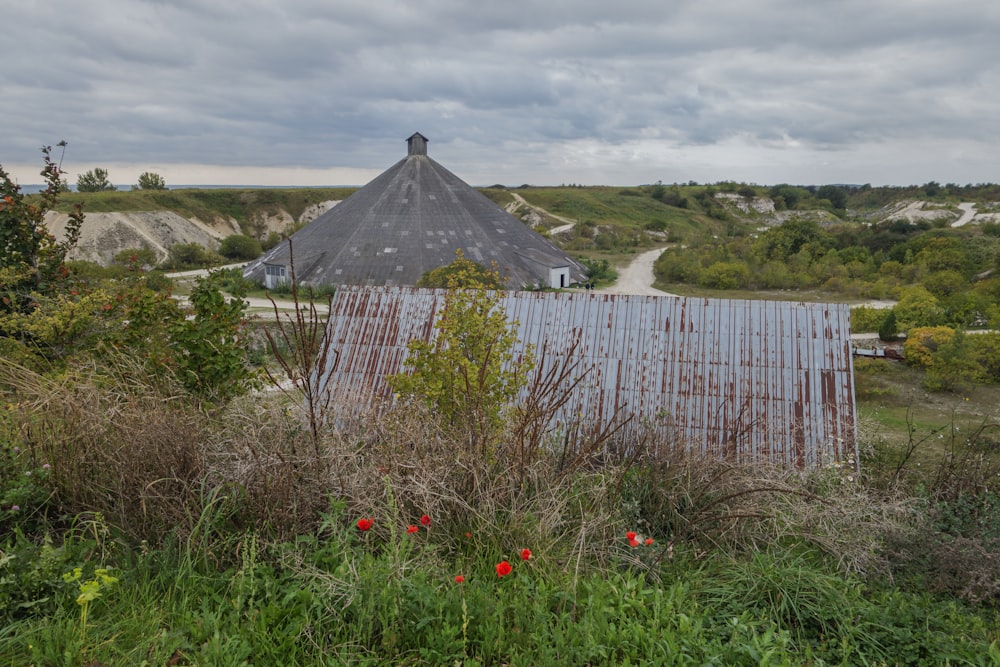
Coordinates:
[46,466]
[365,524]
[503,568]
[649,541]
[630,535]
[468,535]
[459,579]
[411,529]
[425,521]
[525,554]
[633,542]
[17,508]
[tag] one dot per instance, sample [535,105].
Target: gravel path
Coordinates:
[637,277]
[968,213]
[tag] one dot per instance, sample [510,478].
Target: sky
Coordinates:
[325,92]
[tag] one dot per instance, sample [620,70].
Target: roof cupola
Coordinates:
[417,144]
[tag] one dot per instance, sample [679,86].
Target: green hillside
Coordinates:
[206,204]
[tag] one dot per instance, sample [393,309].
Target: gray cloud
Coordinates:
[515,92]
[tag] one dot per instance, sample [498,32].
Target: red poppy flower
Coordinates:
[468,535]
[630,535]
[525,554]
[503,568]
[425,520]
[649,540]
[459,579]
[411,529]
[633,542]
[365,524]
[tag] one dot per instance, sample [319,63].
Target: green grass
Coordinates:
[345,597]
[206,204]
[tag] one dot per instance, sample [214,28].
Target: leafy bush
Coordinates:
[465,373]
[190,256]
[462,273]
[239,247]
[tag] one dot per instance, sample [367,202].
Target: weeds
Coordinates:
[302,349]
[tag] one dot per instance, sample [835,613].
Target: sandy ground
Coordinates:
[637,277]
[968,213]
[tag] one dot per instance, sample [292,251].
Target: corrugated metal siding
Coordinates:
[752,380]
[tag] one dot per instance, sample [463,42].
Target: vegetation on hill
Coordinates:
[207,204]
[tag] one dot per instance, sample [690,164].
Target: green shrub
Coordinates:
[239,247]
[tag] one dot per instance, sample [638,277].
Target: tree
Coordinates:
[189,256]
[240,247]
[32,261]
[917,308]
[210,345]
[788,239]
[150,181]
[725,276]
[95,180]
[789,193]
[837,196]
[462,273]
[467,373]
[144,257]
[888,331]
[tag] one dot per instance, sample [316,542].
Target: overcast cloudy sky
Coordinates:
[325,92]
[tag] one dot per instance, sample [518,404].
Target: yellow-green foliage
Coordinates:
[917,307]
[467,374]
[59,325]
[462,273]
[922,342]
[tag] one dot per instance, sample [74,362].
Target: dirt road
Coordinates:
[637,277]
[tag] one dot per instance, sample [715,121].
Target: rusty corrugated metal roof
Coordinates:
[756,380]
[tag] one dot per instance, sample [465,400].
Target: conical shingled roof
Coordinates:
[409,220]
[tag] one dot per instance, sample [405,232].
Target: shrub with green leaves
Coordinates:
[466,373]
[211,347]
[239,247]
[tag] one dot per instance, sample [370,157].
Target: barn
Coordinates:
[746,380]
[409,220]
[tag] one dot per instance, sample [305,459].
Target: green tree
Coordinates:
[210,346]
[190,256]
[143,257]
[790,194]
[467,373]
[953,366]
[725,276]
[32,260]
[95,180]
[240,247]
[917,307]
[787,239]
[150,181]
[836,195]
[462,273]
[888,330]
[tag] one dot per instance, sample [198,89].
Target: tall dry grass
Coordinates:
[154,462]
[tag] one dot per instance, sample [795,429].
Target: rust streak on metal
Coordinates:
[750,379]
